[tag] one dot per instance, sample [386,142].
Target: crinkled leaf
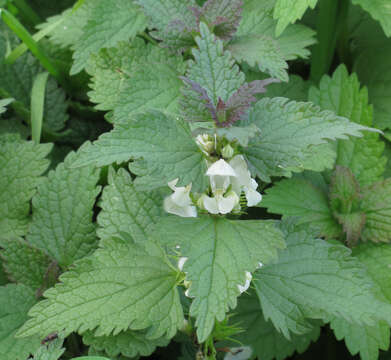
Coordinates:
[288,129]
[240,134]
[376,203]
[219,253]
[24,263]
[125,209]
[121,286]
[342,94]
[288,11]
[128,343]
[52,351]
[15,302]
[110,21]
[21,163]
[165,143]
[316,279]
[267,343]
[62,213]
[380,10]
[261,51]
[302,198]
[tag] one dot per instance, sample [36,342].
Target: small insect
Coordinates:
[49,338]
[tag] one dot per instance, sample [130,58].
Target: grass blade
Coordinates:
[37,105]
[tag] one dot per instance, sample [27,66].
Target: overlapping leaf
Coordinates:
[219,253]
[165,143]
[62,213]
[121,286]
[22,164]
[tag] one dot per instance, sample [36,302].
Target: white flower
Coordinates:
[205,143]
[243,181]
[221,168]
[219,204]
[243,288]
[179,203]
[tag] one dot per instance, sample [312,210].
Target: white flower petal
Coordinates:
[240,167]
[181,196]
[243,288]
[222,168]
[172,184]
[210,204]
[219,183]
[227,203]
[253,197]
[181,262]
[173,208]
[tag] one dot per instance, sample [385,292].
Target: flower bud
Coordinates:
[227,152]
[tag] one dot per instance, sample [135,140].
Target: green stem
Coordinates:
[323,52]
[37,105]
[149,38]
[27,12]
[343,46]
[25,36]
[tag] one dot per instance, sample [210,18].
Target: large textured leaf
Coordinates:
[62,213]
[15,301]
[376,203]
[267,343]
[316,279]
[260,51]
[110,22]
[305,199]
[52,351]
[288,11]
[257,19]
[21,164]
[125,209]
[219,253]
[213,68]
[127,343]
[342,94]
[380,10]
[24,263]
[288,129]
[165,143]
[121,286]
[116,69]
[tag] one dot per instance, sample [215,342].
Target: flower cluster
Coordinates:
[228,179]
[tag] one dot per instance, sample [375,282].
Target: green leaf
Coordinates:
[257,19]
[342,94]
[125,209]
[115,71]
[3,275]
[380,10]
[37,105]
[52,351]
[241,134]
[121,286]
[213,68]
[127,343]
[376,203]
[24,263]
[288,129]
[22,164]
[267,343]
[288,11]
[62,213]
[316,279]
[300,197]
[164,142]
[219,252]
[295,89]
[110,21]
[4,103]
[260,51]
[15,301]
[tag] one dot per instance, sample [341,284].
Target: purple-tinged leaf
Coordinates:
[240,101]
[177,36]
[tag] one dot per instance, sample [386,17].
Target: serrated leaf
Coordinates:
[261,51]
[53,351]
[22,163]
[165,143]
[125,209]
[376,203]
[267,343]
[121,286]
[110,21]
[213,68]
[219,252]
[15,301]
[342,94]
[288,11]
[24,263]
[258,20]
[288,129]
[62,213]
[127,343]
[316,279]
[4,103]
[380,10]
[302,198]
[240,134]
